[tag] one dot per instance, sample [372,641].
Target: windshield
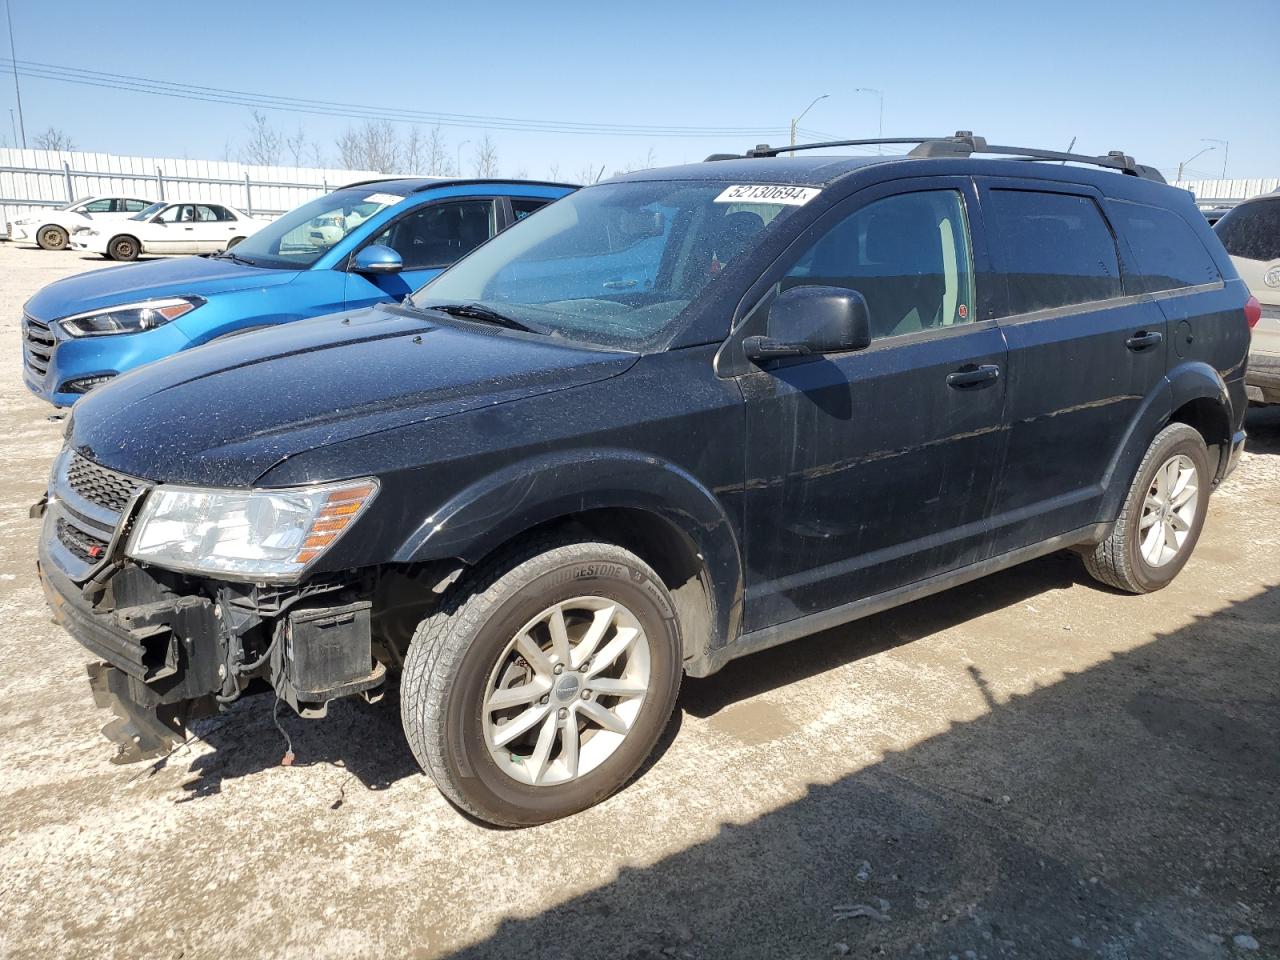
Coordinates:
[613,265]
[146,213]
[300,237]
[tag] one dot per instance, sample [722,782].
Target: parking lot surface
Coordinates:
[1027,766]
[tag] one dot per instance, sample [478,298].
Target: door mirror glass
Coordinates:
[377,258]
[813,320]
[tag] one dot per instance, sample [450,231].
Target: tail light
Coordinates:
[1252,312]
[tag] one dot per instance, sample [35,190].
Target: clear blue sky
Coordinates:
[1152,79]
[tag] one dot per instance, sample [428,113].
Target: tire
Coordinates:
[1124,560]
[232,242]
[123,248]
[457,652]
[52,237]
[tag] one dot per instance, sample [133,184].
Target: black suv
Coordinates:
[666,421]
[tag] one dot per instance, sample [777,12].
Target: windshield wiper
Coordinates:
[477,311]
[229,255]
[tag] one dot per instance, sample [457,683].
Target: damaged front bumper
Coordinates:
[173,648]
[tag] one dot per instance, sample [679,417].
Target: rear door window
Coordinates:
[1168,252]
[1252,231]
[1055,250]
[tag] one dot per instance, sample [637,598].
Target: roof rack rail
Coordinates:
[965,144]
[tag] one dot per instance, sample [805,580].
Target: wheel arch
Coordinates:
[653,508]
[1200,399]
[1193,393]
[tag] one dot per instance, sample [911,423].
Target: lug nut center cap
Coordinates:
[566,687]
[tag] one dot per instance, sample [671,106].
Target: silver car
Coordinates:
[1251,234]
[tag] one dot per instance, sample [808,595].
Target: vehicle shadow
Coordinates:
[367,739]
[812,655]
[364,739]
[1263,426]
[1125,811]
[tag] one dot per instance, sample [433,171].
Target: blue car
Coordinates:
[366,243]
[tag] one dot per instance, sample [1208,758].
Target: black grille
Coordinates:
[37,344]
[1271,313]
[106,488]
[83,546]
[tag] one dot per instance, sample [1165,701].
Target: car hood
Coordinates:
[146,281]
[225,413]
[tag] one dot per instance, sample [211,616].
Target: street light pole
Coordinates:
[13,59]
[457,172]
[795,122]
[880,94]
[1226,151]
[1189,159]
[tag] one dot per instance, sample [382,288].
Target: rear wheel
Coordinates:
[1162,516]
[123,248]
[543,682]
[52,237]
[233,241]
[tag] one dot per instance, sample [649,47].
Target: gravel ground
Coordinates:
[1028,766]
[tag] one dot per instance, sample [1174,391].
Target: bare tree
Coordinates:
[413,151]
[437,154]
[521,174]
[264,143]
[299,146]
[486,157]
[589,174]
[54,139]
[374,146]
[554,172]
[350,150]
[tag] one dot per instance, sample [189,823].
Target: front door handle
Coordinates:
[1142,339]
[971,375]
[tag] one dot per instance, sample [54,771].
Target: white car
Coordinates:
[52,229]
[164,228]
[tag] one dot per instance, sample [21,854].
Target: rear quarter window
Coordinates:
[1252,230]
[1169,255]
[1055,250]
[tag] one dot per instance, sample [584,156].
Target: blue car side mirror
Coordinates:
[377,258]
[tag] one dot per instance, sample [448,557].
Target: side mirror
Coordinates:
[377,258]
[813,320]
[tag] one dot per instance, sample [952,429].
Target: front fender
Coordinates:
[488,513]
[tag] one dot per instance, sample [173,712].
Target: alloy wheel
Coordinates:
[566,691]
[1169,510]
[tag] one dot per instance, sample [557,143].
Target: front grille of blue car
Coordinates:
[37,345]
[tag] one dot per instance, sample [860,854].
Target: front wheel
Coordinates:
[52,238]
[543,682]
[123,248]
[1162,517]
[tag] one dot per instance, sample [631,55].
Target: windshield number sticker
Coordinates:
[384,199]
[766,193]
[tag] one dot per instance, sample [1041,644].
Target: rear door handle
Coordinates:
[970,376]
[1142,339]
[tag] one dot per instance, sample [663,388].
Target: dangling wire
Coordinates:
[287,759]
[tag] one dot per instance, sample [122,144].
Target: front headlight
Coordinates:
[128,317]
[249,534]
